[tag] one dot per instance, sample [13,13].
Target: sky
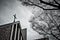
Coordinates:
[10,7]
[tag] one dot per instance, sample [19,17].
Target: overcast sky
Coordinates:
[10,7]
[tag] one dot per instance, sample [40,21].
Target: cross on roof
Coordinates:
[14,17]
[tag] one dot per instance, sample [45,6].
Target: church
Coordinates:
[12,31]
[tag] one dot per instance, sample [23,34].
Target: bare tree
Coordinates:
[46,23]
[55,4]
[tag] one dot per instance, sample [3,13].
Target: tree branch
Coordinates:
[58,27]
[50,4]
[32,4]
[40,28]
[56,2]
[54,36]
[38,32]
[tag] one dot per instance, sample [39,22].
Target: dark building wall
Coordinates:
[5,31]
[24,34]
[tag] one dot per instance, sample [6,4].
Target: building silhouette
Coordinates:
[12,31]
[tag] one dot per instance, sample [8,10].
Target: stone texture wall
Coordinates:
[5,33]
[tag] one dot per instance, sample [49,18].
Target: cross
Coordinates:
[14,17]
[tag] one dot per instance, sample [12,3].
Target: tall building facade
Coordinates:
[12,31]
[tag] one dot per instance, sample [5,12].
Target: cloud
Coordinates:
[6,9]
[6,3]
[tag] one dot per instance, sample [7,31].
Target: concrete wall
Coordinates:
[24,33]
